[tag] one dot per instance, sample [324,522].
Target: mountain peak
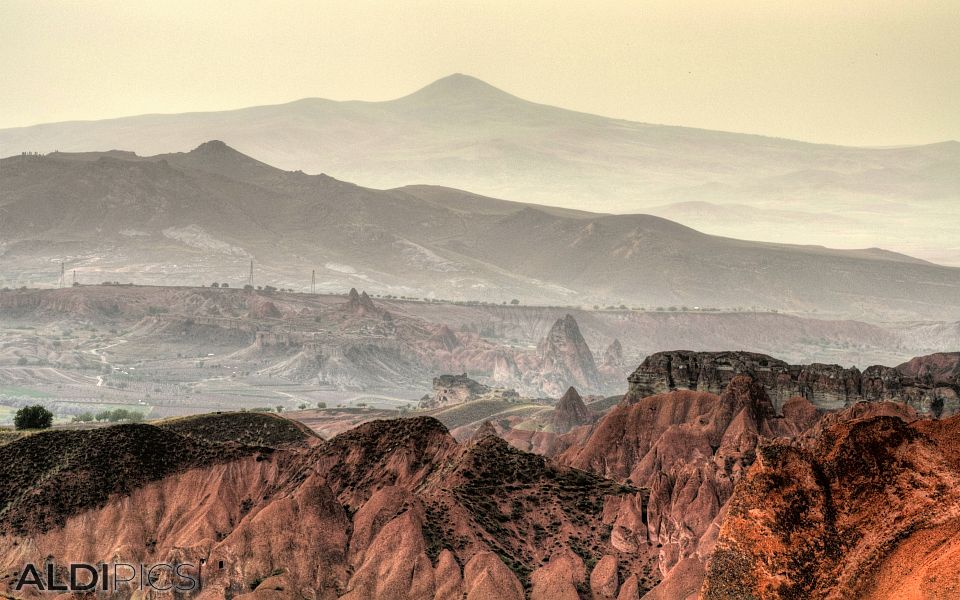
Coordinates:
[459,88]
[213,146]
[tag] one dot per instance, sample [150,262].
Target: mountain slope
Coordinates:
[461,132]
[202,215]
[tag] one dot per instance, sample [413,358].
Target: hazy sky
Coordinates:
[852,72]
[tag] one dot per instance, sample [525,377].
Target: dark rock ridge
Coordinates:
[928,384]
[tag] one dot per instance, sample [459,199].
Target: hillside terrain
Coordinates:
[204,215]
[169,351]
[463,133]
[679,495]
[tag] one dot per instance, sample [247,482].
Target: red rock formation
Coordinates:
[868,507]
[687,449]
[389,510]
[570,412]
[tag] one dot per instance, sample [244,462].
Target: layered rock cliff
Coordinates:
[826,386]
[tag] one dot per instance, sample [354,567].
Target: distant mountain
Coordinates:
[202,216]
[461,132]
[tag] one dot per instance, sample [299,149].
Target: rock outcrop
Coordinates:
[570,412]
[827,386]
[450,390]
[360,304]
[613,355]
[566,359]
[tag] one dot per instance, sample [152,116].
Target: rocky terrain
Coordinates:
[451,390]
[179,350]
[462,132]
[865,508]
[680,494]
[201,216]
[391,509]
[929,384]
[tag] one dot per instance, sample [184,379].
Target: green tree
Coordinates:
[321,405]
[33,417]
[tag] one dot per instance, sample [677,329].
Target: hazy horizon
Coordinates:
[822,74]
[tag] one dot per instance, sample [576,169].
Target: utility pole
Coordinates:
[250,279]
[61,274]
[313,282]
[74,277]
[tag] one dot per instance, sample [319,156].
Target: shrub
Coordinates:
[33,417]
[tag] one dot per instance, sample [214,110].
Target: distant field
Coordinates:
[471,412]
[17,391]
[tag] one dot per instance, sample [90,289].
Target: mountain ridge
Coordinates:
[462,133]
[214,208]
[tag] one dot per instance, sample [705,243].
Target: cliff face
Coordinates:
[867,508]
[827,386]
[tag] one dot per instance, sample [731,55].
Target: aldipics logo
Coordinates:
[177,578]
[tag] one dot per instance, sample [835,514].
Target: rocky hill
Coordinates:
[201,216]
[389,510]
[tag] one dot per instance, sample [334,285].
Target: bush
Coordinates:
[84,417]
[22,361]
[33,417]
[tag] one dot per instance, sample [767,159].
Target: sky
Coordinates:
[866,73]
